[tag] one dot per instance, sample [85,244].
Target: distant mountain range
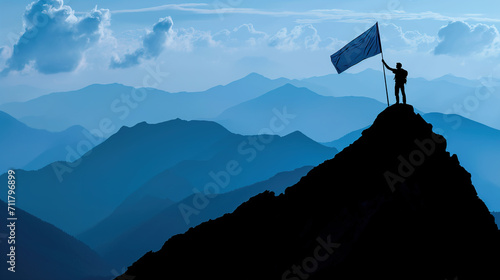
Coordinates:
[142,157]
[393,205]
[19,93]
[289,108]
[113,160]
[28,148]
[122,245]
[474,99]
[46,252]
[115,105]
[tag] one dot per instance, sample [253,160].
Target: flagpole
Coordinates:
[385,79]
[383,66]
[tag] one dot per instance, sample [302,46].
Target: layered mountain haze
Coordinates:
[320,117]
[20,93]
[45,252]
[394,203]
[238,161]
[229,164]
[258,140]
[473,99]
[121,163]
[152,158]
[24,147]
[116,105]
[123,246]
[169,176]
[60,110]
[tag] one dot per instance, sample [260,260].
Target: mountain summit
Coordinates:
[393,205]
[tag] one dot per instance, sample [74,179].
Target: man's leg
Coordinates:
[396,91]
[403,93]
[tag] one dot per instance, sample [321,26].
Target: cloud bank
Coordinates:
[301,36]
[459,38]
[54,39]
[152,45]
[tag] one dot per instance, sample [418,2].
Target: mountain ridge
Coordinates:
[394,203]
[129,245]
[34,148]
[305,110]
[46,252]
[132,157]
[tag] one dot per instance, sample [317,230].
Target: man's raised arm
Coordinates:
[392,69]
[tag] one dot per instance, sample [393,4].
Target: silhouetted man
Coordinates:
[400,78]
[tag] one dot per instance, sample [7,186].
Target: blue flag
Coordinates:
[364,46]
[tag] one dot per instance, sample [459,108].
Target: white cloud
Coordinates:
[411,40]
[459,38]
[248,34]
[153,44]
[186,39]
[301,36]
[54,40]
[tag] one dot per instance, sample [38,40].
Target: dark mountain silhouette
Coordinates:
[310,113]
[46,252]
[393,205]
[478,148]
[128,246]
[476,145]
[115,169]
[24,147]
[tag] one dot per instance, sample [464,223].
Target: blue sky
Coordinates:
[58,45]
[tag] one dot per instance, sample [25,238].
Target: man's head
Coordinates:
[399,65]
